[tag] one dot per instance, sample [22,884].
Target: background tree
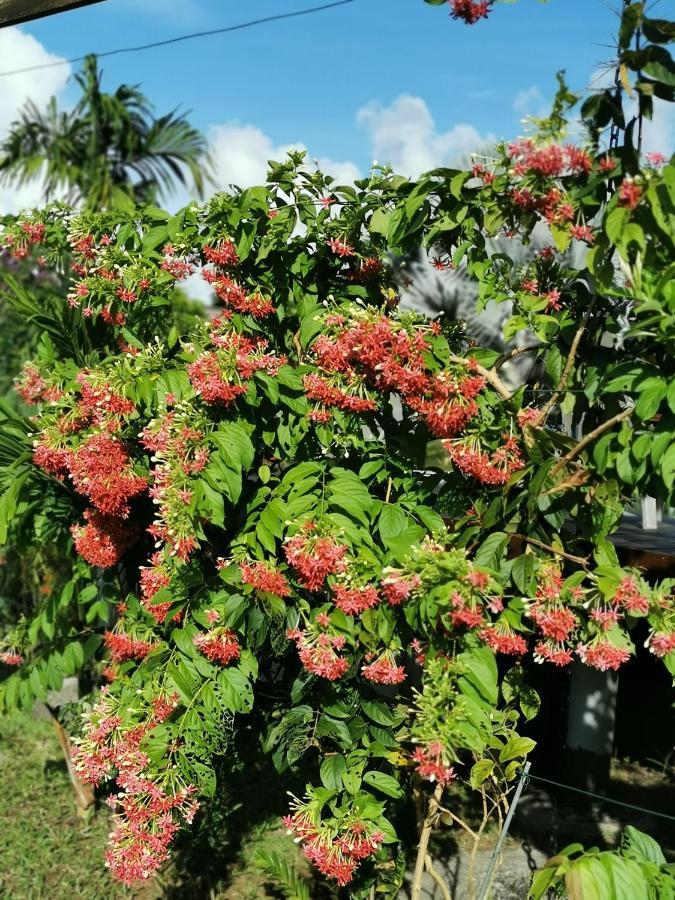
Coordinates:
[109,151]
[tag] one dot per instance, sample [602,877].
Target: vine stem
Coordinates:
[423,846]
[579,560]
[438,878]
[589,438]
[512,354]
[490,375]
[562,382]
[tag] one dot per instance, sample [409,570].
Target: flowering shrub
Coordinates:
[256,523]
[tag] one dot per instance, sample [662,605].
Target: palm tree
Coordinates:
[109,151]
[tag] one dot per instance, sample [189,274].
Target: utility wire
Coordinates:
[610,800]
[184,37]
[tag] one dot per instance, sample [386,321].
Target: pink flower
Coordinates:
[340,248]
[384,670]
[218,645]
[470,11]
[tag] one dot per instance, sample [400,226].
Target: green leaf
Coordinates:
[378,712]
[480,771]
[331,771]
[516,747]
[652,392]
[641,847]
[383,783]
[491,551]
[658,31]
[235,690]
[392,521]
[522,573]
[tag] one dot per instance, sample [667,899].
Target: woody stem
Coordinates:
[425,834]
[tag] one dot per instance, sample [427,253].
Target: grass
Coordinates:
[46,853]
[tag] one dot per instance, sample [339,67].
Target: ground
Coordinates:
[46,853]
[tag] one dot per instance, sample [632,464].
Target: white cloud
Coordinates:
[658,133]
[529,102]
[20,50]
[404,136]
[241,154]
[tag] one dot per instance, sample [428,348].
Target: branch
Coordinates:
[589,438]
[435,874]
[490,375]
[425,834]
[562,383]
[459,821]
[515,352]
[579,560]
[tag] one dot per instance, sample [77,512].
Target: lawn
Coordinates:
[46,852]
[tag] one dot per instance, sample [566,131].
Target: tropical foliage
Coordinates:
[326,521]
[109,151]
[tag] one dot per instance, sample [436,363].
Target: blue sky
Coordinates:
[396,80]
[304,79]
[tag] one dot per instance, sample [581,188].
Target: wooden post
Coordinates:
[13,12]
[84,793]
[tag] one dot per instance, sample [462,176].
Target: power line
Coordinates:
[610,800]
[184,37]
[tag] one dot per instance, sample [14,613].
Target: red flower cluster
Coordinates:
[53,460]
[493,469]
[179,453]
[20,239]
[397,589]
[264,577]
[154,578]
[374,351]
[314,556]
[11,658]
[466,612]
[556,623]
[470,11]
[223,253]
[99,404]
[603,655]
[354,600]
[31,386]
[101,470]
[348,394]
[340,248]
[224,257]
[582,233]
[335,854]
[550,651]
[218,645]
[430,763]
[104,539]
[662,643]
[502,639]
[630,193]
[384,670]
[123,647]
[222,375]
[319,652]
[629,596]
[149,812]
[551,161]
[235,296]
[176,266]
[369,268]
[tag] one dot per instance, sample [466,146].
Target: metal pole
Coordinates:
[487,878]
